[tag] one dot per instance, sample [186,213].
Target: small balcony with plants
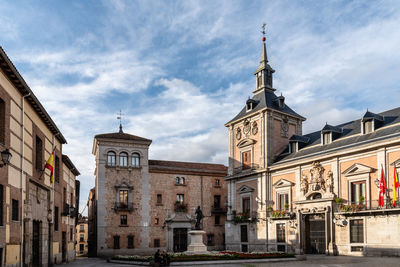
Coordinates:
[282,214]
[180,206]
[244,217]
[123,206]
[363,206]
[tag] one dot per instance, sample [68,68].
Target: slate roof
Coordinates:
[265,99]
[370,115]
[123,136]
[330,128]
[350,135]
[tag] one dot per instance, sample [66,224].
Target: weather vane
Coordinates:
[119,117]
[263,31]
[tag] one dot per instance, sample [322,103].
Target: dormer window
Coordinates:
[368,127]
[293,147]
[326,138]
[250,104]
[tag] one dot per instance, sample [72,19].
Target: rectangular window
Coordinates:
[217,220]
[246,160]
[157,243]
[259,80]
[130,241]
[1,205]
[71,201]
[2,121]
[243,233]
[57,170]
[159,199]
[39,154]
[217,201]
[156,221]
[124,220]
[357,231]
[217,183]
[283,201]
[71,236]
[280,232]
[358,192]
[180,198]
[246,205]
[55,219]
[81,238]
[81,228]
[368,127]
[327,138]
[123,197]
[210,240]
[116,242]
[81,246]
[15,210]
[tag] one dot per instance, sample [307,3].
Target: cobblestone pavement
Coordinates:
[312,260]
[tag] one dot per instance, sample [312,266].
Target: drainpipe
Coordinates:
[22,179]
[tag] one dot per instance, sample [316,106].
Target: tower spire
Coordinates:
[264,70]
[119,117]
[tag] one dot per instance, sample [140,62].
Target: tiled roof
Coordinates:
[350,135]
[123,136]
[187,166]
[66,160]
[265,99]
[15,77]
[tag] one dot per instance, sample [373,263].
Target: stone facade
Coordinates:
[28,198]
[82,232]
[313,193]
[136,198]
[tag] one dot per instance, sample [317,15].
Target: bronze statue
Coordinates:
[199,217]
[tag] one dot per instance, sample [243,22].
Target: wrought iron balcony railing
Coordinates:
[218,209]
[246,168]
[365,205]
[123,206]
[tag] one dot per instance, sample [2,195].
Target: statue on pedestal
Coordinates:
[199,217]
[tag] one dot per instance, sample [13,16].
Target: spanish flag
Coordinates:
[395,186]
[50,165]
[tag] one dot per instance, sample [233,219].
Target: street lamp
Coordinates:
[5,157]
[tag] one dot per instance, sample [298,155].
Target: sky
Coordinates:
[179,70]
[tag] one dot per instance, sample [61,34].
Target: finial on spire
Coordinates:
[119,117]
[263,31]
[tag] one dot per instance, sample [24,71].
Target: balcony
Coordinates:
[180,207]
[123,206]
[246,168]
[216,209]
[364,208]
[66,210]
[72,211]
[245,217]
[281,215]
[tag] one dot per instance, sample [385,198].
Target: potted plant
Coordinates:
[270,208]
[287,206]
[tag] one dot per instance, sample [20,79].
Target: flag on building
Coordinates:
[50,165]
[382,189]
[395,186]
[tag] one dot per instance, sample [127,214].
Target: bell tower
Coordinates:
[264,71]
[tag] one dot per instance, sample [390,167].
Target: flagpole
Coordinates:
[52,196]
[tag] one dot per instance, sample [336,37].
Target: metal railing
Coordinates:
[123,206]
[246,168]
[218,209]
[365,205]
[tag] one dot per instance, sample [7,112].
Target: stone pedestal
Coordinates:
[196,245]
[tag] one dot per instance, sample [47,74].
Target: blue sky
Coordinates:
[180,69]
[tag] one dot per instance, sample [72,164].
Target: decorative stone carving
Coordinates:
[238,134]
[317,181]
[329,181]
[254,128]
[285,127]
[246,127]
[304,184]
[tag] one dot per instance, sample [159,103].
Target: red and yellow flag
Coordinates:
[382,189]
[395,186]
[50,165]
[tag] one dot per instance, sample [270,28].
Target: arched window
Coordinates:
[123,159]
[111,158]
[135,160]
[177,180]
[183,180]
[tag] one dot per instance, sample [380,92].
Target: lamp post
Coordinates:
[5,157]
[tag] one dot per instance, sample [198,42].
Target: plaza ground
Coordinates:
[312,260]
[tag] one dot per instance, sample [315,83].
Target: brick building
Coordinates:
[37,218]
[312,193]
[82,231]
[142,205]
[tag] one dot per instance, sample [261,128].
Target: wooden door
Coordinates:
[180,239]
[36,244]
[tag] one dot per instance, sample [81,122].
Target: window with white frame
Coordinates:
[180,198]
[111,158]
[246,205]
[283,201]
[123,159]
[368,127]
[358,192]
[326,138]
[180,180]
[135,160]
